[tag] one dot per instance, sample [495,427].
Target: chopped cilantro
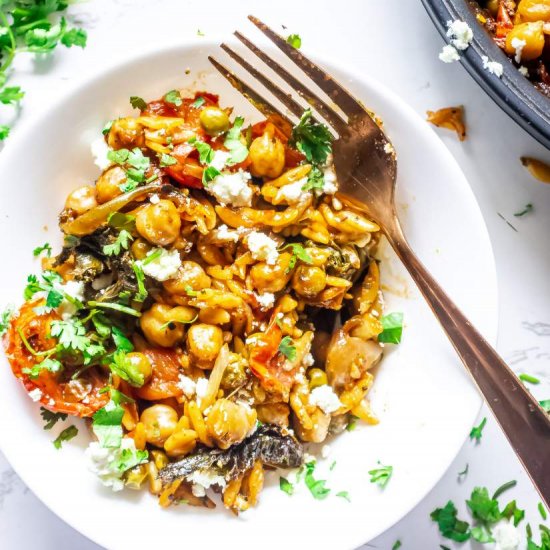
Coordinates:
[298,253]
[152,255]
[4,132]
[5,318]
[545,403]
[316,486]
[121,341]
[206,153]
[345,495]
[393,328]
[315,179]
[482,506]
[116,307]
[199,102]
[11,95]
[138,163]
[46,247]
[107,127]
[504,487]
[294,40]
[209,173]
[190,292]
[120,156]
[511,511]
[140,278]
[464,472]
[71,337]
[51,418]
[449,525]
[481,534]
[542,511]
[233,142]
[477,431]
[66,435]
[167,160]
[122,242]
[48,364]
[529,378]
[173,97]
[528,208]
[50,284]
[352,423]
[381,475]
[126,369]
[311,138]
[138,103]
[332,466]
[396,545]
[286,486]
[107,421]
[287,348]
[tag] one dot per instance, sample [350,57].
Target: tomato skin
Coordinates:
[57,394]
[165,377]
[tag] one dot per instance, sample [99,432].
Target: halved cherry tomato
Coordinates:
[164,380]
[504,21]
[58,392]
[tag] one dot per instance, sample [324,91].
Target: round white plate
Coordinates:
[423,396]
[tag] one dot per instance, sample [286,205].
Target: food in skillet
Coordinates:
[190,314]
[522,30]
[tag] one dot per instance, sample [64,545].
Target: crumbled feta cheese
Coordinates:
[309,458]
[223,233]
[232,189]
[200,389]
[330,185]
[220,159]
[266,300]
[187,385]
[198,490]
[449,54]
[518,45]
[262,247]
[388,148]
[71,289]
[164,266]
[325,398]
[102,461]
[99,150]
[308,360]
[494,67]
[206,479]
[251,340]
[154,199]
[460,33]
[524,71]
[35,394]
[325,451]
[292,193]
[506,536]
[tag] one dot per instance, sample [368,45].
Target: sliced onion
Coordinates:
[215,378]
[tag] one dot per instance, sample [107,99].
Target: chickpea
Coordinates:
[532,35]
[141,363]
[81,200]
[229,423]
[164,326]
[126,133]
[271,278]
[267,155]
[308,281]
[159,223]
[274,413]
[317,377]
[234,375]
[534,10]
[204,342]
[214,120]
[160,422]
[318,433]
[107,187]
[492,6]
[190,274]
[140,249]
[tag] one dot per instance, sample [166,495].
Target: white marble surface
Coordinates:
[394,41]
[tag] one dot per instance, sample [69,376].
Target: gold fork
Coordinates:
[366,170]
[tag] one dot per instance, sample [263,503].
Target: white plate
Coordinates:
[424,398]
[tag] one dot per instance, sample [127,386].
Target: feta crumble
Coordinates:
[200,389]
[35,394]
[154,199]
[518,46]
[220,159]
[330,185]
[292,193]
[262,247]
[449,54]
[198,490]
[72,289]
[232,189]
[266,300]
[308,360]
[325,398]
[99,150]
[102,461]
[163,267]
[223,233]
[325,451]
[187,385]
[460,33]
[206,479]
[494,67]
[506,536]
[524,71]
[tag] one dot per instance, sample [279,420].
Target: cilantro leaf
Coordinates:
[511,511]
[545,404]
[127,369]
[233,142]
[48,364]
[129,458]
[140,278]
[311,138]
[396,545]
[71,337]
[481,534]
[298,253]
[381,476]
[138,102]
[173,97]
[542,511]
[352,423]
[118,156]
[199,102]
[316,486]
[74,37]
[449,525]
[504,487]
[294,40]
[107,421]
[51,418]
[209,173]
[4,132]
[287,348]
[66,435]
[121,341]
[206,153]
[122,241]
[46,247]
[477,431]
[107,127]
[120,221]
[315,180]
[5,318]
[286,486]
[345,495]
[167,160]
[529,378]
[482,506]
[11,95]
[528,208]
[393,328]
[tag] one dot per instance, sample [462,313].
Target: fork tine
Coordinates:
[326,112]
[266,108]
[337,93]
[295,108]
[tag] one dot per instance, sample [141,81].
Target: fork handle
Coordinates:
[524,422]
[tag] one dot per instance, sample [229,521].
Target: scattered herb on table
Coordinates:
[286,486]
[66,435]
[529,378]
[294,40]
[381,475]
[287,348]
[528,208]
[393,328]
[477,431]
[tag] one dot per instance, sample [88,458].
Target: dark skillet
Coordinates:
[513,92]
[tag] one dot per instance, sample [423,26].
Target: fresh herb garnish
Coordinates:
[107,127]
[396,545]
[545,403]
[465,471]
[116,307]
[5,318]
[233,142]
[121,221]
[504,487]
[481,534]
[529,378]
[393,328]
[352,423]
[48,364]
[316,486]
[152,255]
[46,247]
[173,97]
[107,421]
[449,525]
[315,180]
[345,495]
[138,103]
[71,337]
[121,341]
[542,511]
[287,348]
[137,164]
[199,102]
[528,208]
[140,278]
[123,367]
[167,160]
[190,292]
[477,431]
[294,40]
[381,475]
[209,173]
[298,253]
[311,138]
[482,506]
[122,242]
[66,435]
[286,486]
[51,418]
